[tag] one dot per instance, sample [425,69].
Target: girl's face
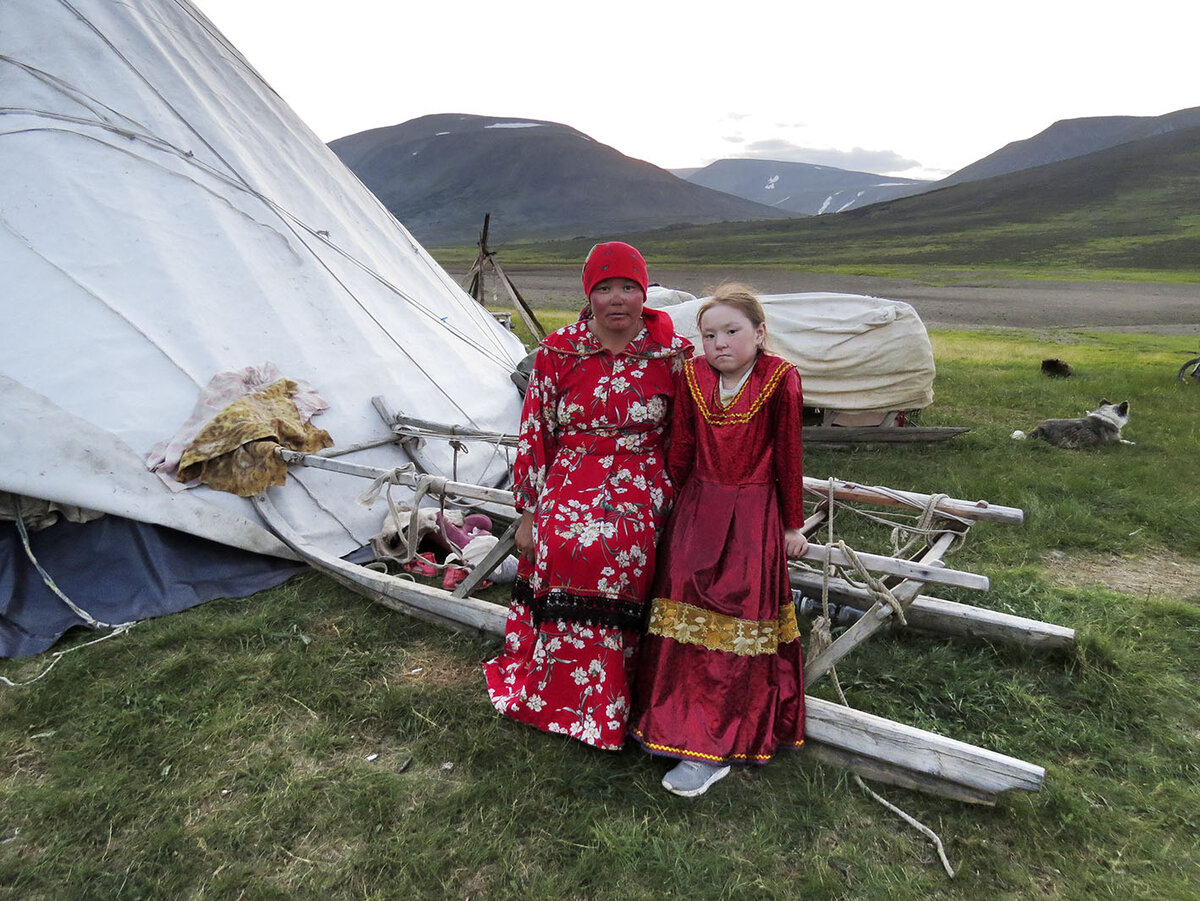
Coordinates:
[731,342]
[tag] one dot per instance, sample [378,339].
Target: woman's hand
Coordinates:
[794,543]
[524,537]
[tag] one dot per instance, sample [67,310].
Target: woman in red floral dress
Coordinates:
[721,680]
[591,487]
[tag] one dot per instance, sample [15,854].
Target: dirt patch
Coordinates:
[429,666]
[1159,574]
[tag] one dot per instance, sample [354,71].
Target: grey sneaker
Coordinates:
[690,778]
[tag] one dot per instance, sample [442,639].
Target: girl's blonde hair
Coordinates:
[741,298]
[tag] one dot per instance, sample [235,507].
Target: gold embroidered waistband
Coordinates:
[687,624]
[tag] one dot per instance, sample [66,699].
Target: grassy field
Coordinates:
[305,743]
[851,248]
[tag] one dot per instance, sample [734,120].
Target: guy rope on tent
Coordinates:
[877,591]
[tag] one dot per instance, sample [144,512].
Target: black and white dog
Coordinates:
[1100,426]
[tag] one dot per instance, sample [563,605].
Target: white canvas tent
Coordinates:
[857,355]
[165,217]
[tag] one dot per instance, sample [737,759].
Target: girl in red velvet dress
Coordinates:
[591,486]
[720,677]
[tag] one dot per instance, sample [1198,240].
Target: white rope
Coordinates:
[920,827]
[397,476]
[879,591]
[924,527]
[91,621]
[923,519]
[75,608]
[58,655]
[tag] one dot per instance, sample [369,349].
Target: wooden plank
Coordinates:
[928,758]
[524,310]
[438,429]
[891,497]
[930,614]
[437,485]
[894,566]
[428,429]
[890,774]
[903,755]
[828,434]
[819,516]
[964,621]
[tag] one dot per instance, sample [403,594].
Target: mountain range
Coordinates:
[540,180]
[440,174]
[1129,207]
[1071,138]
[802,188]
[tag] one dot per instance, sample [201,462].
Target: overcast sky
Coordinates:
[919,88]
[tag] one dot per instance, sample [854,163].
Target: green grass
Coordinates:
[224,752]
[1014,251]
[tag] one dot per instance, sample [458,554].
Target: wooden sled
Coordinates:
[836,434]
[872,746]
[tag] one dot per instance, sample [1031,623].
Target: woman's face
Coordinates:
[731,342]
[617,304]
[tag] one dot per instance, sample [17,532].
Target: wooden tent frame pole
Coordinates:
[475,279]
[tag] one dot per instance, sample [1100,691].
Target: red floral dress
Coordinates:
[591,466]
[720,676]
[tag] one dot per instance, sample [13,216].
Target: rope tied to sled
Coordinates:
[821,637]
[925,526]
[407,475]
[879,591]
[400,475]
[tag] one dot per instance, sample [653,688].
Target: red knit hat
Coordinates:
[616,259]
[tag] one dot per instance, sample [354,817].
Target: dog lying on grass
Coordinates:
[1100,426]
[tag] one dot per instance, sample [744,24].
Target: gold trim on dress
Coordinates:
[722,416]
[688,624]
[712,758]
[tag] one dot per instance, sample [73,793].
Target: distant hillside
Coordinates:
[1132,206]
[801,188]
[1071,138]
[440,174]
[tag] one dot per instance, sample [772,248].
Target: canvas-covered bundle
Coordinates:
[856,354]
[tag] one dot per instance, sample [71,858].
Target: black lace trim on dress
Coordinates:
[617,613]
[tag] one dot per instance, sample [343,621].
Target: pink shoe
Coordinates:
[453,577]
[422,565]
